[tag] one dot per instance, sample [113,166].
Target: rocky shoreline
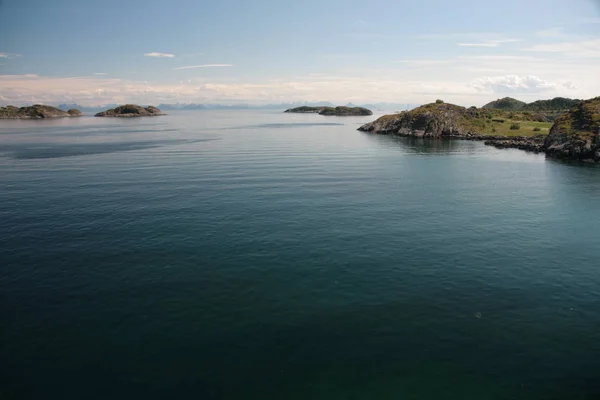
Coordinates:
[575,135]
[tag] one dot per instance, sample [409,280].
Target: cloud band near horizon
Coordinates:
[204,66]
[159,55]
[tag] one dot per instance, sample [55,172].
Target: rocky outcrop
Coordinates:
[130,110]
[305,110]
[37,111]
[576,134]
[73,112]
[340,111]
[432,120]
[534,144]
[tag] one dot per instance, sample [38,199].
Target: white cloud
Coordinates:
[363,23]
[164,55]
[9,55]
[205,66]
[100,73]
[465,80]
[586,48]
[513,84]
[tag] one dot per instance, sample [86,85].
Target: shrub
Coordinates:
[537,129]
[438,101]
[500,120]
[515,127]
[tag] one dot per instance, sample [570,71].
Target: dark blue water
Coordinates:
[255,255]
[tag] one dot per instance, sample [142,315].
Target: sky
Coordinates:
[468,52]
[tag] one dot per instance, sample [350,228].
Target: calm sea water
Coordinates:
[261,255]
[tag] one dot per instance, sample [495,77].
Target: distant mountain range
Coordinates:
[87,109]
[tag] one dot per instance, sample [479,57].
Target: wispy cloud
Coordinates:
[588,48]
[363,23]
[164,55]
[100,73]
[9,55]
[205,66]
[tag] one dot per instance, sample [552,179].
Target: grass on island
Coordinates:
[526,128]
[503,123]
[483,121]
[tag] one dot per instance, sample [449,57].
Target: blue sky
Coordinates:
[464,51]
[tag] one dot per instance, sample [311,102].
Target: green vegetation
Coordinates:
[337,111]
[443,119]
[345,111]
[507,103]
[130,110]
[526,128]
[556,104]
[304,109]
[576,134]
[540,110]
[583,120]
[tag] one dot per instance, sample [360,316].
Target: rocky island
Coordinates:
[573,135]
[340,111]
[131,110]
[576,134]
[37,111]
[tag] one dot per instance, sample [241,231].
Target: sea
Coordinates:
[254,254]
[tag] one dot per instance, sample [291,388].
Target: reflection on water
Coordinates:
[419,145]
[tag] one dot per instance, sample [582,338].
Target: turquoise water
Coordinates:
[261,255]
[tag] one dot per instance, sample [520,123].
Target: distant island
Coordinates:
[341,111]
[36,111]
[574,134]
[130,110]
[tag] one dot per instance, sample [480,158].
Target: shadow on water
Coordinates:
[573,163]
[54,150]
